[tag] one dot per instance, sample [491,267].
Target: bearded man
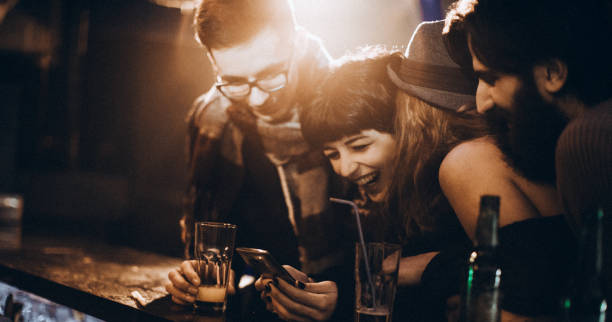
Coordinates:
[544,85]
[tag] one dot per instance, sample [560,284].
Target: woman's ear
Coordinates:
[550,76]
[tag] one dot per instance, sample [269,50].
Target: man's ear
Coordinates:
[550,76]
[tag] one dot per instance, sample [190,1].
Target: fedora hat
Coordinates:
[428,72]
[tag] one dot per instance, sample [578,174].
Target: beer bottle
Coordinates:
[481,295]
[586,301]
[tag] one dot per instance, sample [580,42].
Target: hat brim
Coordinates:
[438,98]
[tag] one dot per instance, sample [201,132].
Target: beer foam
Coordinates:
[211,293]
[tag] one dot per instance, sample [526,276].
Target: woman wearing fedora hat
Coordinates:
[389,142]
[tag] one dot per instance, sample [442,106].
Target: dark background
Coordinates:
[93,97]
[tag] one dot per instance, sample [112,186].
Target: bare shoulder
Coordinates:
[475,168]
[473,157]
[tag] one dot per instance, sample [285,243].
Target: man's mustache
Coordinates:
[498,119]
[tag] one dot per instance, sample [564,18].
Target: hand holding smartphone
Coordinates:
[262,261]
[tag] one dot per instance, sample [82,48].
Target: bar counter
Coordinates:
[98,280]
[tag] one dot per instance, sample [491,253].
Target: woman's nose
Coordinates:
[348,166]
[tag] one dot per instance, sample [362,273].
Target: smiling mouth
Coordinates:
[369,178]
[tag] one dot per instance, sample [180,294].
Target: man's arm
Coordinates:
[584,164]
[207,125]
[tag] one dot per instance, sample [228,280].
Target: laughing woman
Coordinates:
[390,144]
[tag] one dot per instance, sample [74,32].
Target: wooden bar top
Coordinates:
[96,279]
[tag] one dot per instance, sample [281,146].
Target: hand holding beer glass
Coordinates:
[214,247]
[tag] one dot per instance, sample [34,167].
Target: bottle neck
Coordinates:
[591,243]
[486,226]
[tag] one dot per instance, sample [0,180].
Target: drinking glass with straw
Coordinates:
[361,242]
[375,290]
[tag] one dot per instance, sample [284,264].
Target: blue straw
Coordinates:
[362,242]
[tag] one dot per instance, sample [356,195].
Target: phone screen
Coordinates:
[263,262]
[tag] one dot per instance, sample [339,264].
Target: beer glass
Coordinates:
[214,247]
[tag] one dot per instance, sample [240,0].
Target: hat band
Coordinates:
[450,79]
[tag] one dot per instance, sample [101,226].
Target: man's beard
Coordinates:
[527,135]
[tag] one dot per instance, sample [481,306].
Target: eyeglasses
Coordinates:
[238,90]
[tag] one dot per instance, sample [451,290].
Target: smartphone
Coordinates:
[262,261]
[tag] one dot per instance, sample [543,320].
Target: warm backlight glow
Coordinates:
[346,24]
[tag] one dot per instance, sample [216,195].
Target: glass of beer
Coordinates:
[376,267]
[214,247]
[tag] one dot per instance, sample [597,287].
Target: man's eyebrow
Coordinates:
[484,74]
[479,71]
[272,69]
[233,79]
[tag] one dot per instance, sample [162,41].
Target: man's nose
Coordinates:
[484,102]
[257,97]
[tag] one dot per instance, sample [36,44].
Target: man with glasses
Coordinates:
[249,163]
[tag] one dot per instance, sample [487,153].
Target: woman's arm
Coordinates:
[411,268]
[476,168]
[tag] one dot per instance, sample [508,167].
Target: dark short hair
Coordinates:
[512,36]
[357,95]
[226,23]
